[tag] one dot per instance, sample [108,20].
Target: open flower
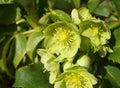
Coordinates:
[62,39]
[97,32]
[75,77]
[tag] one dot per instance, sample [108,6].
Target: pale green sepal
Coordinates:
[84,14]
[84,61]
[75,16]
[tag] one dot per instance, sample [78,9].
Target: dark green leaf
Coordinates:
[60,15]
[20,49]
[113,24]
[3,59]
[6,9]
[31,76]
[76,3]
[8,30]
[92,5]
[113,75]
[117,4]
[31,8]
[115,56]
[62,4]
[102,10]
[117,37]
[33,40]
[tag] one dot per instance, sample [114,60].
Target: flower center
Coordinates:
[95,30]
[75,79]
[63,35]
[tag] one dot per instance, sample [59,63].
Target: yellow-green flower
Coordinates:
[62,39]
[97,32]
[75,77]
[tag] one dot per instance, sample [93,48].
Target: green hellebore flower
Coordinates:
[62,39]
[75,77]
[49,60]
[50,64]
[97,32]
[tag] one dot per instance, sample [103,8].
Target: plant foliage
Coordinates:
[59,44]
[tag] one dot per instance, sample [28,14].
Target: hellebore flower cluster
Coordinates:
[67,45]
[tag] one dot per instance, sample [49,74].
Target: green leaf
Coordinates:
[33,40]
[60,15]
[116,34]
[3,58]
[117,4]
[102,10]
[92,5]
[20,49]
[44,19]
[51,3]
[62,4]
[31,76]
[113,75]
[6,9]
[76,3]
[115,56]
[31,7]
[85,44]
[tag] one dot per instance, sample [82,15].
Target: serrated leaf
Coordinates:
[20,49]
[33,40]
[60,15]
[113,75]
[31,76]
